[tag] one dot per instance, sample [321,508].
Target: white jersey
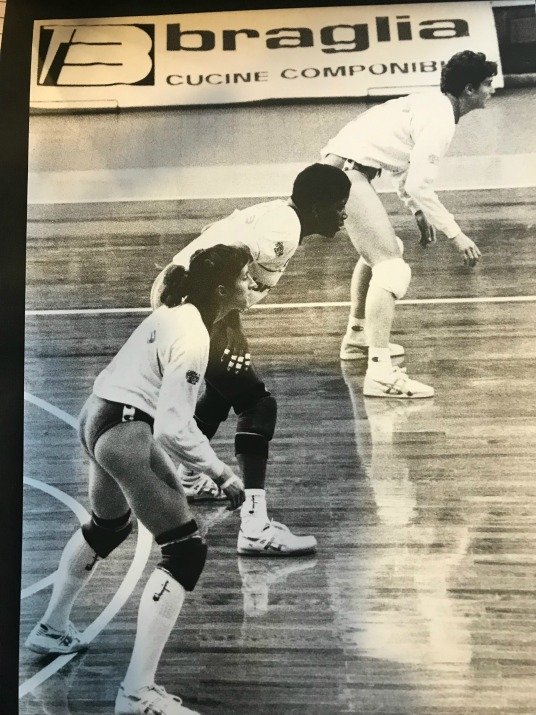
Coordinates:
[270,230]
[406,137]
[159,370]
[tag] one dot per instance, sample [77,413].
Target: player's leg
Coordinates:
[374,238]
[107,528]
[256,410]
[144,472]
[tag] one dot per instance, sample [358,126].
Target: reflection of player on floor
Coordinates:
[136,428]
[272,231]
[406,137]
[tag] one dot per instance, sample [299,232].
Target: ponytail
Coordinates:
[175,286]
[209,267]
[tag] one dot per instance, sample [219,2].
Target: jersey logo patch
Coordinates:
[278,249]
[433,159]
[192,377]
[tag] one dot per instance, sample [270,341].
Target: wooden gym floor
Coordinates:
[421,598]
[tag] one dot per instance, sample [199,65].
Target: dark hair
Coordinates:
[320,184]
[209,268]
[465,68]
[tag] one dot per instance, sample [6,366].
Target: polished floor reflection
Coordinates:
[421,598]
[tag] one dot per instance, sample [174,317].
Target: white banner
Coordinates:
[232,57]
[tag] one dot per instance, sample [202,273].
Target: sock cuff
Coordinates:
[255,492]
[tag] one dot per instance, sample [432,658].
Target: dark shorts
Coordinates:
[370,172]
[238,391]
[98,416]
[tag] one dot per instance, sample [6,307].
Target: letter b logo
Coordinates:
[96,55]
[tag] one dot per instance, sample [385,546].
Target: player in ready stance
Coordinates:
[406,137]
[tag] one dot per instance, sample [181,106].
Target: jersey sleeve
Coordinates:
[416,188]
[277,236]
[175,428]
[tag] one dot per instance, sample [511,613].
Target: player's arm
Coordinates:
[430,146]
[428,233]
[175,428]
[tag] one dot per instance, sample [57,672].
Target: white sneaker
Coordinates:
[355,347]
[149,700]
[46,640]
[395,384]
[203,489]
[275,540]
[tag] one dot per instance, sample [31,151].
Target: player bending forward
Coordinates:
[407,137]
[136,428]
[272,231]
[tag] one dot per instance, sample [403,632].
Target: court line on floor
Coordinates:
[287,306]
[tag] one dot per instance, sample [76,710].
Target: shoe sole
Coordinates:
[397,397]
[42,650]
[277,554]
[363,353]
[205,497]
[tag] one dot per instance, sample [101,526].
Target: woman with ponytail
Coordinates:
[137,428]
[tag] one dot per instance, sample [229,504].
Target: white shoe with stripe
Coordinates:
[395,384]
[275,539]
[149,700]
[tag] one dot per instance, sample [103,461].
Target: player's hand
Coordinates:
[467,248]
[427,231]
[233,487]
[236,356]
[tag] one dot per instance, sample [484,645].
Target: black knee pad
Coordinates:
[184,560]
[105,535]
[256,426]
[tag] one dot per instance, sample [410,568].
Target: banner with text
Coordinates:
[251,55]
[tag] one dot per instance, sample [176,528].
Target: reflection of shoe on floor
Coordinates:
[395,384]
[259,574]
[355,347]
[275,539]
[200,487]
[45,640]
[149,700]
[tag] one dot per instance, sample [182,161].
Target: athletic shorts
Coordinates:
[98,416]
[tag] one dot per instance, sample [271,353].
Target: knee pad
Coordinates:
[105,535]
[184,557]
[255,427]
[393,275]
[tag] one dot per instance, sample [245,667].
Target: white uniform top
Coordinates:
[407,137]
[159,370]
[270,230]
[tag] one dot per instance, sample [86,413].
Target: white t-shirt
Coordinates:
[407,137]
[270,230]
[159,370]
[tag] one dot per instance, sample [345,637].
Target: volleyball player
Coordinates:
[406,137]
[137,427]
[272,231]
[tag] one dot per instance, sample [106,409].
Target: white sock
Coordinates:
[160,605]
[379,361]
[77,564]
[253,511]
